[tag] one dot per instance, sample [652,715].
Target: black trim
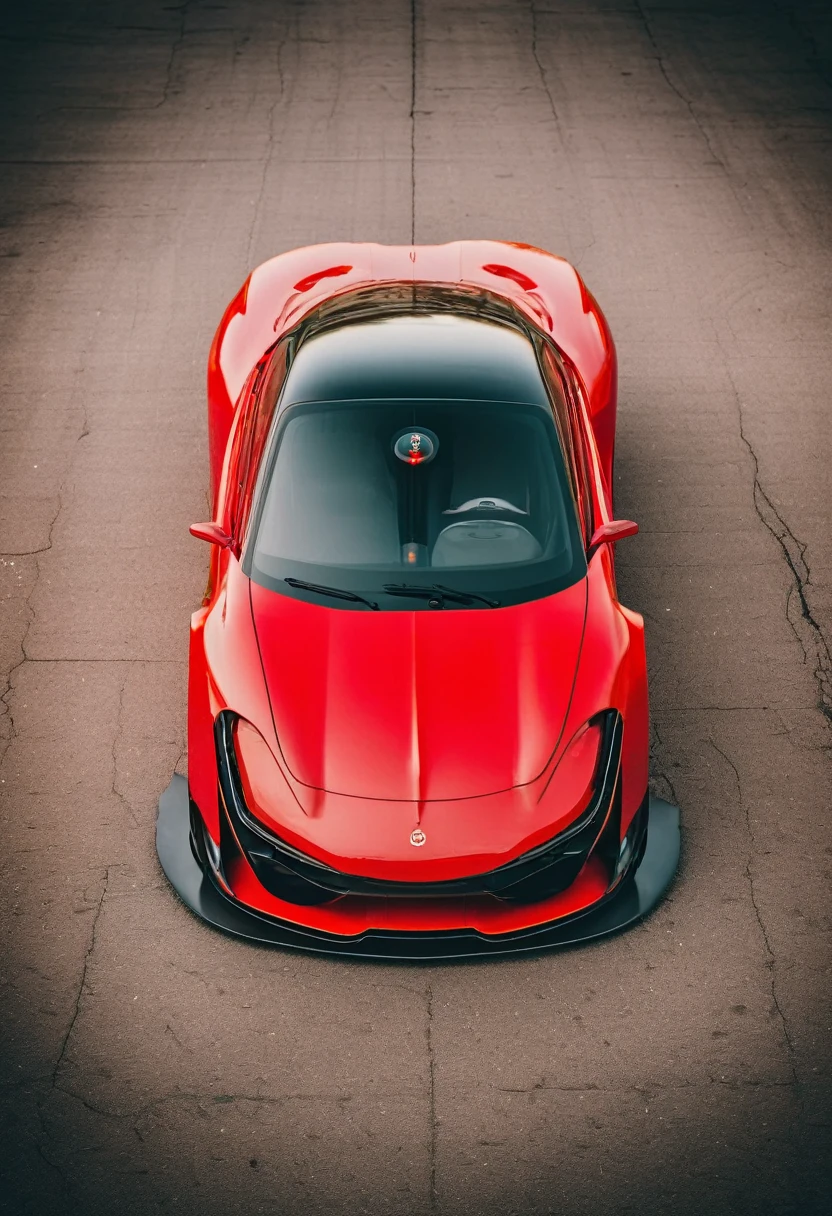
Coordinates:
[538,874]
[636,894]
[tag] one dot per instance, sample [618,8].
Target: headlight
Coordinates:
[256,785]
[261,784]
[260,777]
[574,781]
[579,799]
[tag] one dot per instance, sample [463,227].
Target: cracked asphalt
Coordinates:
[680,155]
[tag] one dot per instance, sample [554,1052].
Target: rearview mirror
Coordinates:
[211,532]
[612,530]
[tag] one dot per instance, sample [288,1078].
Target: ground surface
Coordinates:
[151,154]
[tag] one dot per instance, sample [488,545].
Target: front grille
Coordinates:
[542,872]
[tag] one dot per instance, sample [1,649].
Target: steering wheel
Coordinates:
[485,504]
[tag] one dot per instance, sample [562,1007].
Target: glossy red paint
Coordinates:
[356,727]
[464,836]
[419,706]
[546,289]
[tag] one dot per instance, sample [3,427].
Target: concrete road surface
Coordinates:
[680,155]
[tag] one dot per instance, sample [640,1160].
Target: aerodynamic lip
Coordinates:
[415,705]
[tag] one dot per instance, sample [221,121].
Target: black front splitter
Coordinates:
[637,895]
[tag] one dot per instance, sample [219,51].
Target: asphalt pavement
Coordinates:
[680,156]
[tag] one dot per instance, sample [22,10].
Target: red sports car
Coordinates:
[417,718]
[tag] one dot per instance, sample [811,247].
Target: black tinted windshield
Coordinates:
[471,494]
[418,357]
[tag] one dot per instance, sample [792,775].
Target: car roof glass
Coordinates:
[434,356]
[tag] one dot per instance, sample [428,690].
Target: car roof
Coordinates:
[438,356]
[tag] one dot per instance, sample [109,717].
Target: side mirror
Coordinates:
[213,533]
[612,530]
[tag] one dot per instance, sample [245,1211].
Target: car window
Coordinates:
[265,395]
[228,494]
[564,392]
[469,493]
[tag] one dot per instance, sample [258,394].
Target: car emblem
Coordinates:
[417,837]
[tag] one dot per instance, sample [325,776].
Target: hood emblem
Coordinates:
[417,837]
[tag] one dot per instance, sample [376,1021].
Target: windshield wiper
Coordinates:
[337,593]
[437,594]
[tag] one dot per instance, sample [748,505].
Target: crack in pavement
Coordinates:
[544,81]
[182,754]
[85,659]
[5,695]
[116,738]
[169,1030]
[739,198]
[771,960]
[29,552]
[794,551]
[434,1198]
[804,625]
[54,1082]
[221,1098]
[671,84]
[542,73]
[175,49]
[660,773]
[813,54]
[649,1092]
[267,159]
[224,1098]
[204,1102]
[81,986]
[40,1149]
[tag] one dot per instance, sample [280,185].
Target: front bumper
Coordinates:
[632,898]
[288,874]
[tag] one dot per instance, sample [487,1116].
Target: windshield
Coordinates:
[472,495]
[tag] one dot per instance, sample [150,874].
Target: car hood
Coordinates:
[423,705]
